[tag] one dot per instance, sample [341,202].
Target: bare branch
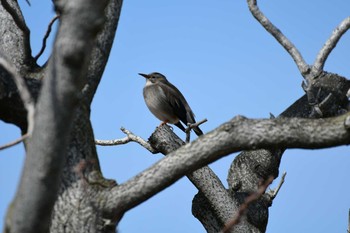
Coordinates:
[242,209]
[238,134]
[16,17]
[204,179]
[130,137]
[330,44]
[56,109]
[191,126]
[282,39]
[275,192]
[15,142]
[26,97]
[45,37]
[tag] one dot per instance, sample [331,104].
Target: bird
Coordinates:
[167,103]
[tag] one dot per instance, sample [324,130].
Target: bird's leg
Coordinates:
[163,123]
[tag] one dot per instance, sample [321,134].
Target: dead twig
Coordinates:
[279,36]
[191,126]
[329,46]
[47,34]
[275,192]
[27,100]
[130,137]
[15,142]
[242,209]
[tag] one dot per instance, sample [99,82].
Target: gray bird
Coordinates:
[166,102]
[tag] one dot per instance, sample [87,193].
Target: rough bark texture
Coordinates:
[62,188]
[62,134]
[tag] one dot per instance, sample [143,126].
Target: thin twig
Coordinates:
[26,97]
[242,209]
[282,39]
[47,34]
[275,192]
[330,45]
[28,3]
[191,126]
[130,137]
[15,142]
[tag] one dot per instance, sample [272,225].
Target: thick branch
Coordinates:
[14,41]
[282,39]
[238,134]
[46,150]
[330,45]
[243,208]
[205,180]
[102,48]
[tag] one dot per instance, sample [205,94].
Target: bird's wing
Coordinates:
[178,103]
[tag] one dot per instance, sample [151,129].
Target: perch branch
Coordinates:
[242,209]
[47,34]
[238,134]
[26,97]
[282,39]
[330,45]
[191,126]
[130,137]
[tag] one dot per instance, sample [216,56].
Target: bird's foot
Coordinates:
[163,123]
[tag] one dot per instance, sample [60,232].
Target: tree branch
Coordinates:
[242,209]
[46,150]
[191,126]
[130,137]
[26,98]
[274,193]
[17,18]
[238,134]
[15,44]
[204,179]
[282,39]
[329,46]
[49,28]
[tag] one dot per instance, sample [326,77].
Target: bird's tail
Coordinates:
[198,131]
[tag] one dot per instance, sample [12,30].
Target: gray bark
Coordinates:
[62,188]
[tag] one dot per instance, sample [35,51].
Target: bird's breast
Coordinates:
[157,103]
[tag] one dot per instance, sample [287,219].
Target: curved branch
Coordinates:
[238,134]
[49,28]
[58,100]
[102,48]
[17,18]
[282,39]
[24,93]
[130,137]
[204,179]
[16,43]
[330,44]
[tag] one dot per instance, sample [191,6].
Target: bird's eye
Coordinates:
[153,79]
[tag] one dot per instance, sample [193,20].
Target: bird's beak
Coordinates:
[144,75]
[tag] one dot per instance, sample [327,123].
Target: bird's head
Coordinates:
[154,77]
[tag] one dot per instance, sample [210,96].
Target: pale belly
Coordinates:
[156,102]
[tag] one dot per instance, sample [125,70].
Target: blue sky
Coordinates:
[225,64]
